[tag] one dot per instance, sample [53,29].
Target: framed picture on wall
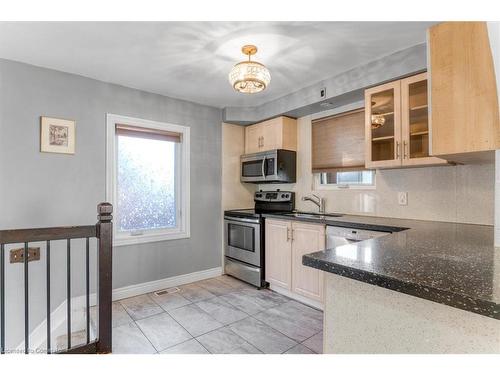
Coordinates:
[57,135]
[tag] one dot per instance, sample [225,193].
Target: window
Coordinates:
[359,179]
[147,179]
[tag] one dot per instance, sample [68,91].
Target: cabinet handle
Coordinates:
[287,234]
[262,141]
[405,149]
[398,146]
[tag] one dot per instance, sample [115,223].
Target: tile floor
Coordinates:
[220,315]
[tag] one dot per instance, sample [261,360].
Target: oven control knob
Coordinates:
[258,195]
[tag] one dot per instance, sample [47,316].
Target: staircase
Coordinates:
[80,335]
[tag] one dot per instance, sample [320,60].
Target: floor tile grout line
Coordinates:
[179,343]
[145,336]
[228,326]
[263,322]
[194,337]
[198,341]
[312,351]
[157,350]
[126,312]
[244,339]
[267,325]
[150,316]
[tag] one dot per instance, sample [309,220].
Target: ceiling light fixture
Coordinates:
[249,76]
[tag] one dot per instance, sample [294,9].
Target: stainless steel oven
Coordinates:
[242,239]
[269,167]
[244,235]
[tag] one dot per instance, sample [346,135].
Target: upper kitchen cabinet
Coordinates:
[397,125]
[383,126]
[415,122]
[464,101]
[277,133]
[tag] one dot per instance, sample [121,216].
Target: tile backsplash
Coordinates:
[463,193]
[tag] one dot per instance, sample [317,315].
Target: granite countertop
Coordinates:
[449,263]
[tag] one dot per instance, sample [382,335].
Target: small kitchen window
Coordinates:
[338,151]
[345,179]
[147,179]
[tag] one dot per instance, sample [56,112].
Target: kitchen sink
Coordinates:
[312,215]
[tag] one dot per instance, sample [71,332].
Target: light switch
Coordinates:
[403,198]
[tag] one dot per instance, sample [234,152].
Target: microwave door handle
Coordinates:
[264,167]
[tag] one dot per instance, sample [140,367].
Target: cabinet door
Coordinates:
[415,122]
[253,139]
[307,238]
[278,253]
[272,134]
[464,93]
[383,126]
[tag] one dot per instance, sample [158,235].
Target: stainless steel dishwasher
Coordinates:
[338,236]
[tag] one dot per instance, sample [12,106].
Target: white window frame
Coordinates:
[319,186]
[182,187]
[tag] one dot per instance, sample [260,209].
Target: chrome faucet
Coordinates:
[320,202]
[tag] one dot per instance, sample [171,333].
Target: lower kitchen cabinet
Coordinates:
[278,253]
[307,238]
[286,242]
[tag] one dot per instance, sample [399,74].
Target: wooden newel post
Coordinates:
[105,267]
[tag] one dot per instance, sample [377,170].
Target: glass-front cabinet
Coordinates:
[397,124]
[383,126]
[415,122]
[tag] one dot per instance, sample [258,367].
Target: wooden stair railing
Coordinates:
[103,231]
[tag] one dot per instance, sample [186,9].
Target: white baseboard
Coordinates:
[287,293]
[58,316]
[151,286]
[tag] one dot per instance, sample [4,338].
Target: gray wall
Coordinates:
[42,189]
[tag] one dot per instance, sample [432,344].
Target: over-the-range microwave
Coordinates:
[273,166]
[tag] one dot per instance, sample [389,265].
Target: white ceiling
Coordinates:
[191,60]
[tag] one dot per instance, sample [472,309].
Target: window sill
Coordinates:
[146,238]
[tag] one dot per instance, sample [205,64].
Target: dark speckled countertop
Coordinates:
[449,263]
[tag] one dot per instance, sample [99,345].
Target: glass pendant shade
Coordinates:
[249,76]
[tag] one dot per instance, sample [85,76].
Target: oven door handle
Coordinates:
[240,219]
[263,167]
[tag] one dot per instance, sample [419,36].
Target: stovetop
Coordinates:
[266,202]
[251,212]
[243,212]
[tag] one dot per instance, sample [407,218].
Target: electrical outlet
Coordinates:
[322,93]
[403,198]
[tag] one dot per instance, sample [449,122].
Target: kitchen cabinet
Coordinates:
[278,253]
[383,126]
[396,125]
[307,238]
[464,112]
[415,132]
[277,133]
[286,242]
